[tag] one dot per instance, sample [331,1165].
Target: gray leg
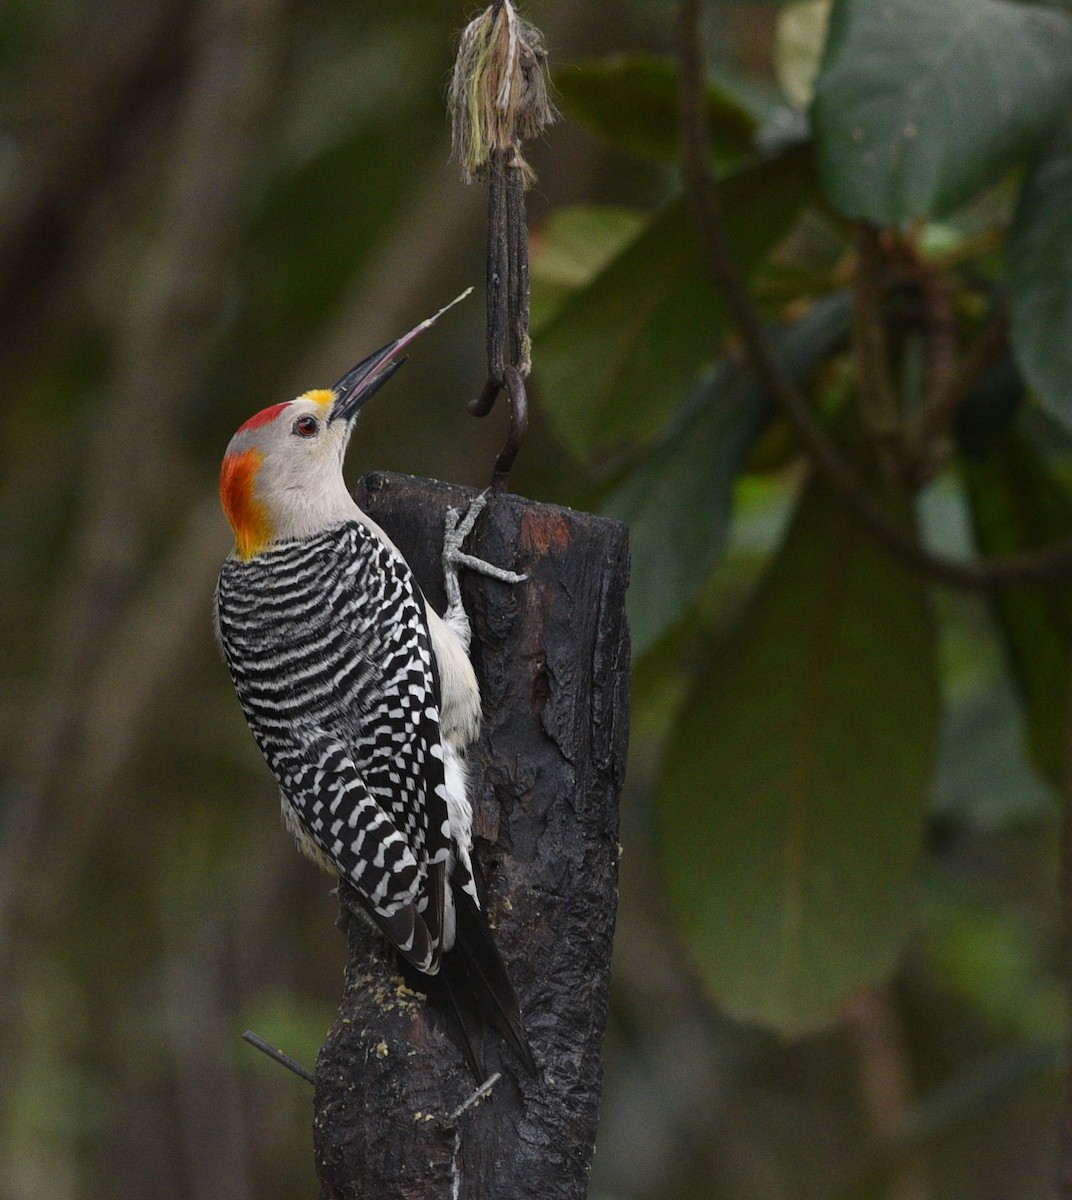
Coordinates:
[458,528]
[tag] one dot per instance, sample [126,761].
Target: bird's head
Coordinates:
[282,473]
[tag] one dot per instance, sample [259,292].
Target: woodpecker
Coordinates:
[361,697]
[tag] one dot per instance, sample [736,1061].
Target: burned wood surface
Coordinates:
[552,658]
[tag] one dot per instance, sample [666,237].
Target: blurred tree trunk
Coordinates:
[1064,1170]
[552,658]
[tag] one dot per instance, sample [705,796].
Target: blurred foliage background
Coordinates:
[839,969]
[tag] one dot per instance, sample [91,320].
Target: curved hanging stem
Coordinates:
[498,97]
[1052,564]
[519,424]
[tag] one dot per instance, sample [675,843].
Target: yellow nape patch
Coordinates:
[248,518]
[322,396]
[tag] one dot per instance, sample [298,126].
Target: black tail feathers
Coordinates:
[473,993]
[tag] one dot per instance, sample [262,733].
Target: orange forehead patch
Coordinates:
[247,516]
[322,396]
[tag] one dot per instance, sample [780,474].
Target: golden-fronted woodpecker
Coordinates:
[360,696]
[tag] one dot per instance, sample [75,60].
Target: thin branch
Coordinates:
[878,402]
[939,414]
[451,1119]
[940,333]
[886,1087]
[284,1060]
[1048,565]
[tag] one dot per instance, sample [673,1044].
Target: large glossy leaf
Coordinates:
[791,818]
[678,501]
[571,247]
[631,101]
[616,357]
[921,103]
[1039,257]
[1017,504]
[983,780]
[800,34]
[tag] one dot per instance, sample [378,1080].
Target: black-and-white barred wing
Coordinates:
[327,644]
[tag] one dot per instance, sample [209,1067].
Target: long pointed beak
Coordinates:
[361,383]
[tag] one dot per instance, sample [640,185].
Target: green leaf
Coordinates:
[571,247]
[800,34]
[678,501]
[922,103]
[617,355]
[1017,504]
[631,102]
[792,814]
[1039,258]
[984,956]
[983,780]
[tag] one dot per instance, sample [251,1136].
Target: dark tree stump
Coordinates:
[552,658]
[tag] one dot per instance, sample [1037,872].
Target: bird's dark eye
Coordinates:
[306,426]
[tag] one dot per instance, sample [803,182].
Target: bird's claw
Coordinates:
[349,904]
[458,528]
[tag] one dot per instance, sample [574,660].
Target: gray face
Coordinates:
[298,441]
[282,473]
[292,457]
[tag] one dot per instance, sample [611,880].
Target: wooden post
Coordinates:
[552,659]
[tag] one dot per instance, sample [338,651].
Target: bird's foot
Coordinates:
[349,904]
[458,528]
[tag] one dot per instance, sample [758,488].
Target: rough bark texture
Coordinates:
[552,658]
